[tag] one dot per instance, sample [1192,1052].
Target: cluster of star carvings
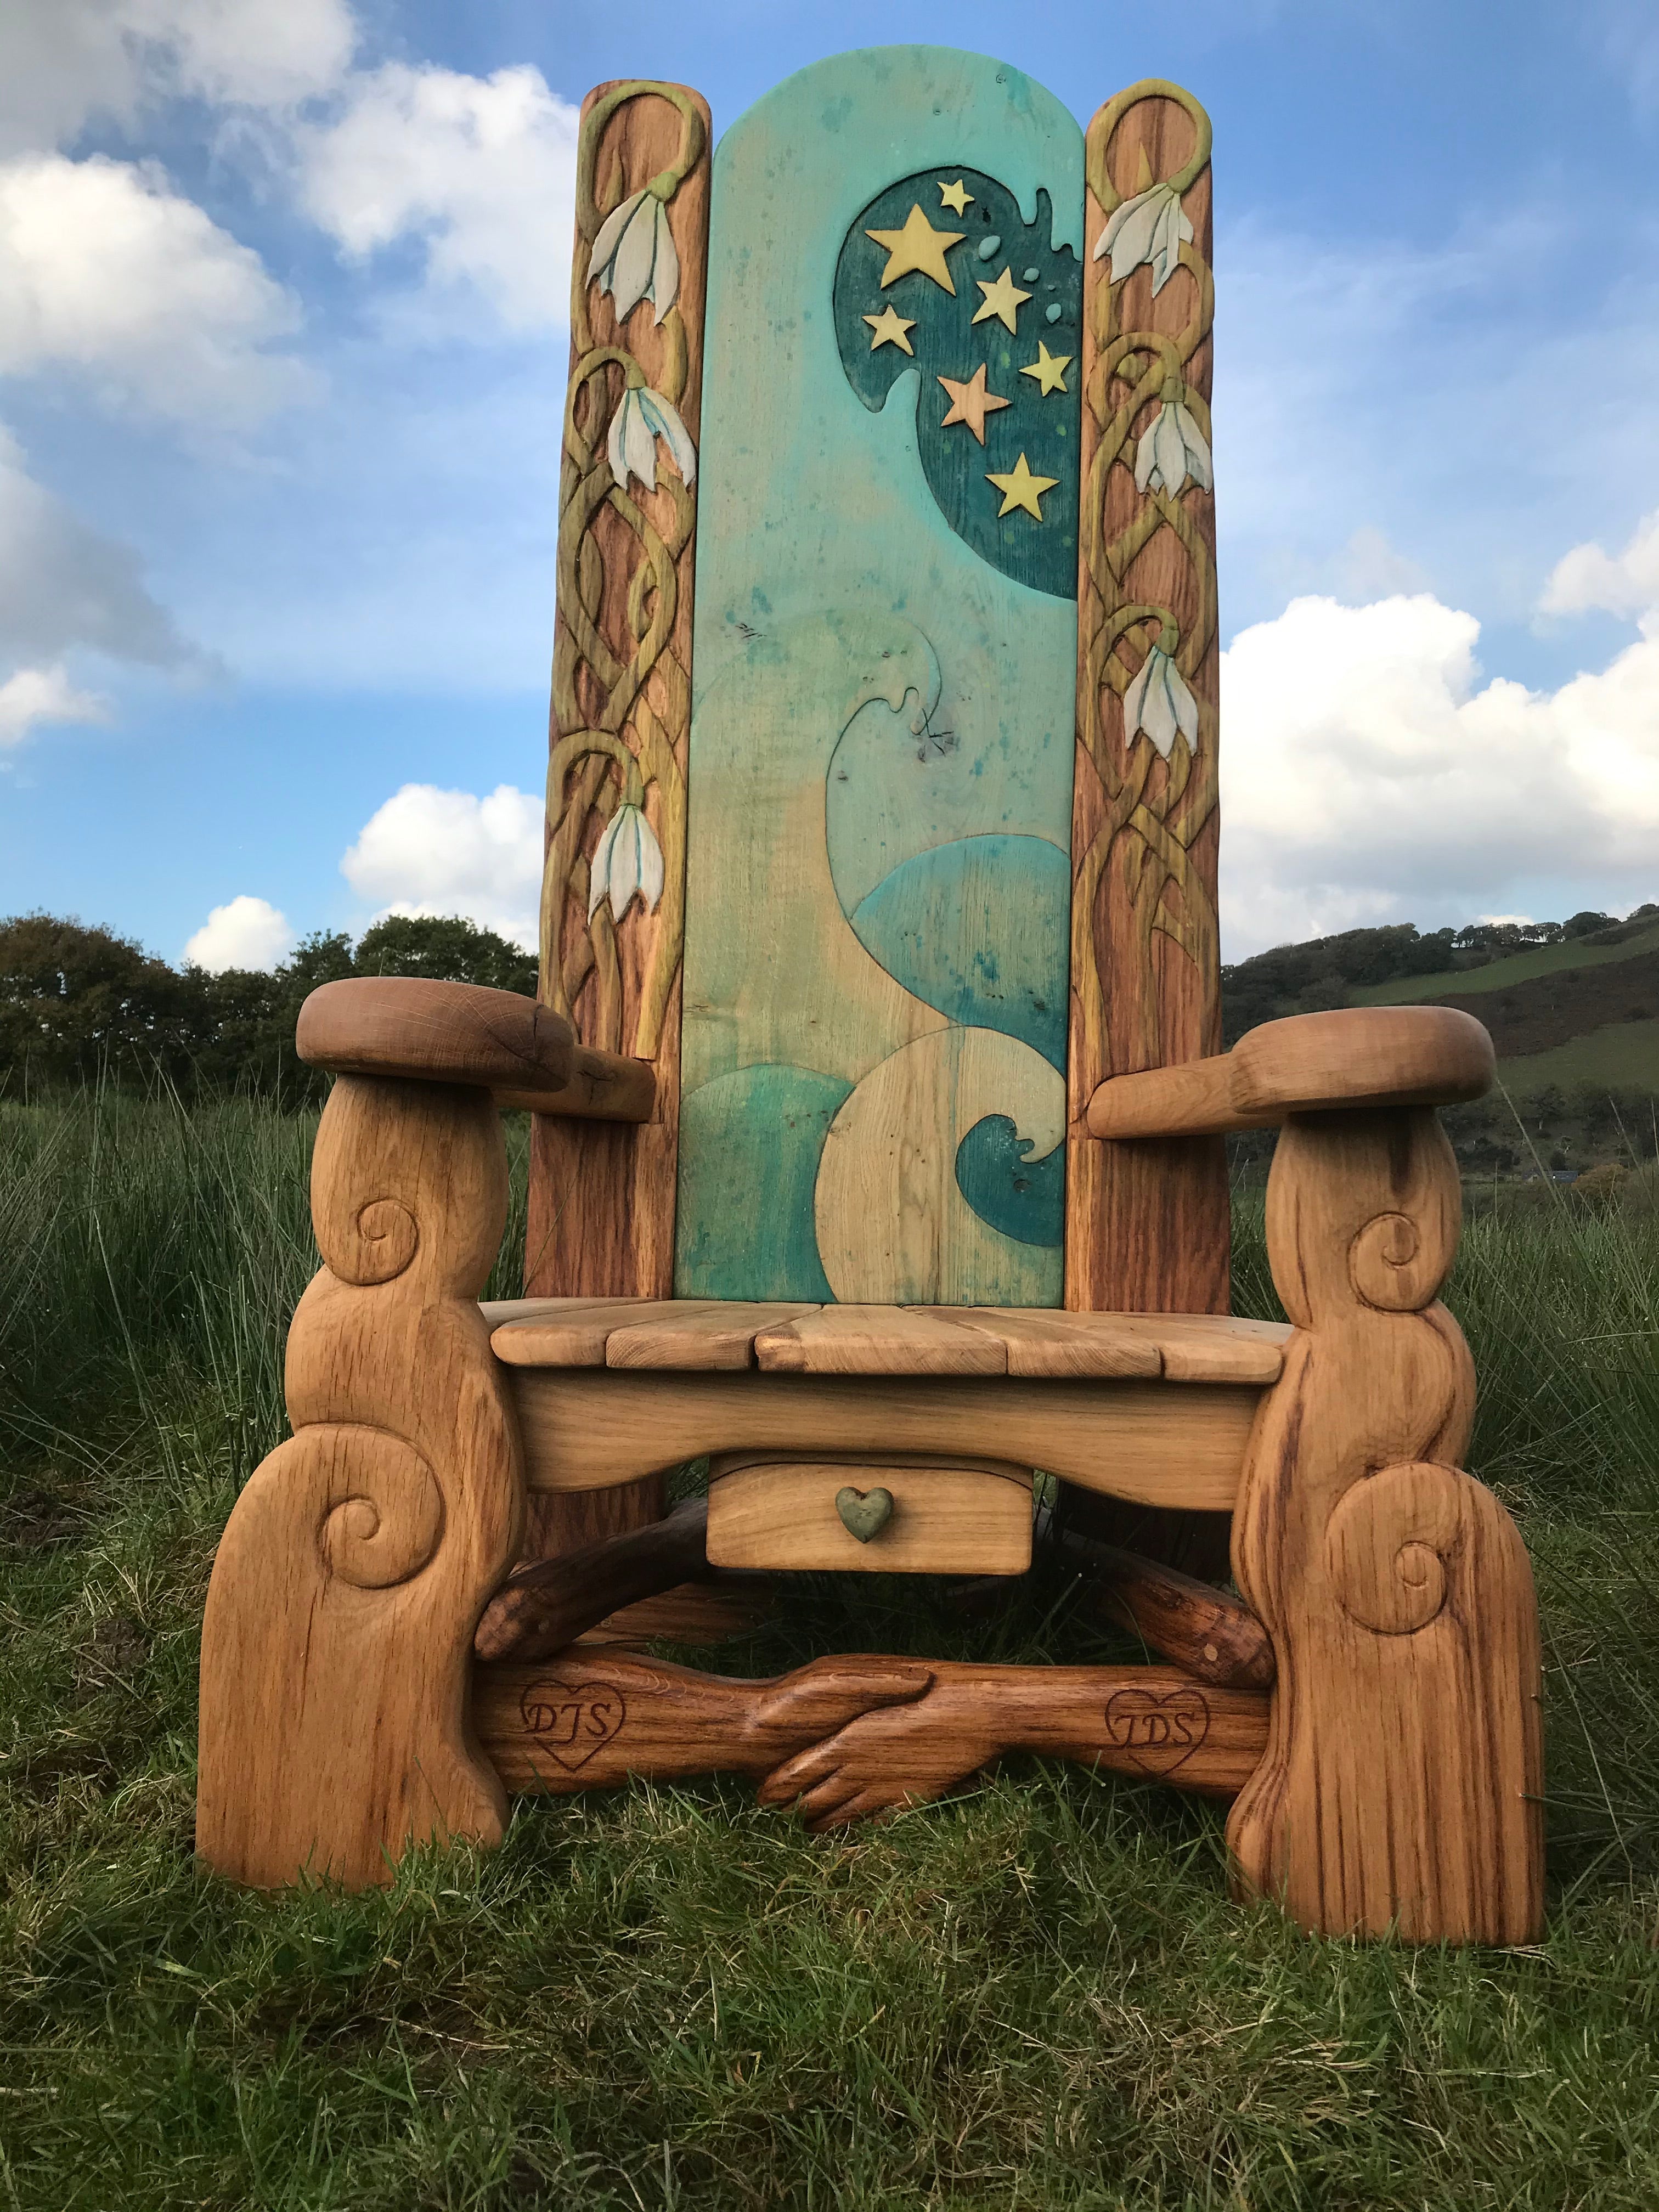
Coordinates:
[918,246]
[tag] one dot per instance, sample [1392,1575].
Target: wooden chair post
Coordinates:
[1401,1786]
[337,1639]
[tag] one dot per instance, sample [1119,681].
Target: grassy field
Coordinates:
[1038,1995]
[1623,1058]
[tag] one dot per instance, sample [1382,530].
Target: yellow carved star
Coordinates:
[1048,368]
[1001,300]
[971,403]
[918,246]
[1019,487]
[956,197]
[889,327]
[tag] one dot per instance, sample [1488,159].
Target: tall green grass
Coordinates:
[1039,1995]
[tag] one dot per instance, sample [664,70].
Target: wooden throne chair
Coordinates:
[878,1103]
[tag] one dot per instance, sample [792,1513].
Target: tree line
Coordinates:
[81,1005]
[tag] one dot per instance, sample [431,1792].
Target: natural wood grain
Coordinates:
[1163,1443]
[722,1336]
[556,1522]
[710,1611]
[339,1618]
[542,1607]
[856,1735]
[574,1332]
[1204,1631]
[1145,1226]
[603,1087]
[945,1520]
[407,1027]
[848,1339]
[1355,1057]
[1402,1787]
[692,1334]
[880,793]
[1198,1348]
[601,1215]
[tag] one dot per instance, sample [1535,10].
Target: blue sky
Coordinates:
[282,364]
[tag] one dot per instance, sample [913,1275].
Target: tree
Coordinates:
[78,1005]
[449,949]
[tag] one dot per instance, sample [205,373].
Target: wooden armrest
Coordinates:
[523,1053]
[1357,1057]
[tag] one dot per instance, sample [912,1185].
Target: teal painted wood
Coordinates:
[881,752]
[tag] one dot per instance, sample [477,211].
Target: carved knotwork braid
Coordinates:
[616,716]
[1151,812]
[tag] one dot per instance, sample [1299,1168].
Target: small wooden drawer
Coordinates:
[968,1518]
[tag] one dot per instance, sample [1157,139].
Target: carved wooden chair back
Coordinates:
[903,838]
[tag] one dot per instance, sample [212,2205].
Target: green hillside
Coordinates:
[1621,1057]
[1519,967]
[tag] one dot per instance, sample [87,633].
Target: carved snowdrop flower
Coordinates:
[1151,227]
[1173,449]
[628,861]
[634,257]
[643,417]
[1158,701]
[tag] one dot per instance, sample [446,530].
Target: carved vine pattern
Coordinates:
[618,719]
[1151,822]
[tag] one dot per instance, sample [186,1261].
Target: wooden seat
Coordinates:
[702,1333]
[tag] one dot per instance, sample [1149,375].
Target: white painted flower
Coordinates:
[628,860]
[1158,701]
[634,257]
[643,417]
[1151,226]
[1172,449]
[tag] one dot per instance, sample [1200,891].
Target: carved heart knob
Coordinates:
[864,1513]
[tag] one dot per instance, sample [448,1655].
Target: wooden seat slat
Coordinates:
[702,1335]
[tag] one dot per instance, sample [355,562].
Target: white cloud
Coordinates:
[479,170]
[31,698]
[67,61]
[432,852]
[1368,774]
[107,272]
[249,933]
[63,585]
[1371,568]
[1625,583]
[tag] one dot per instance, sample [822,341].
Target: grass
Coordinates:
[1620,1056]
[1500,974]
[1038,1995]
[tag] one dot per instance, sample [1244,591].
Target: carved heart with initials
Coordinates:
[864,1513]
[1158,1729]
[573,1720]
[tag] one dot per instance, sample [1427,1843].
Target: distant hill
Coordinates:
[1572,1006]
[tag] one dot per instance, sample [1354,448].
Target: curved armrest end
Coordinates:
[1355,1058]
[526,1055]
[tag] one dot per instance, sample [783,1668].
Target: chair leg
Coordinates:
[1401,1788]
[337,1645]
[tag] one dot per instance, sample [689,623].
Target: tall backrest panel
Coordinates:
[929,470]
[878,883]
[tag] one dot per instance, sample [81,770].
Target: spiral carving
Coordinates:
[378,1241]
[1390,1543]
[1392,1266]
[384,1511]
